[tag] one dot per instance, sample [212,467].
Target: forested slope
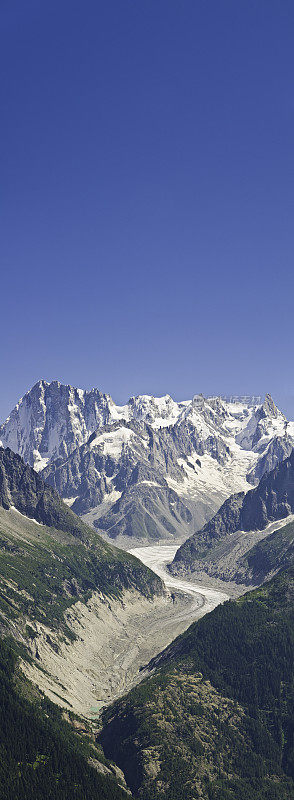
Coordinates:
[215,720]
[41,755]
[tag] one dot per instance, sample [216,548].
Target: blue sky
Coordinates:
[147,196]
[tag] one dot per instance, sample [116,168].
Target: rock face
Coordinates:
[51,420]
[23,490]
[271,500]
[267,557]
[79,606]
[152,468]
[120,473]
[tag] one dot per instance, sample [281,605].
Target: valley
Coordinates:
[86,616]
[147,403]
[213,719]
[204,598]
[113,640]
[105,569]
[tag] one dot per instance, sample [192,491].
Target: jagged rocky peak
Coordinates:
[269,409]
[87,447]
[157,411]
[264,424]
[217,404]
[52,419]
[272,500]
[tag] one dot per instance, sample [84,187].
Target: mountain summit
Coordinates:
[152,468]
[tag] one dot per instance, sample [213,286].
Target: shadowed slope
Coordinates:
[216,718]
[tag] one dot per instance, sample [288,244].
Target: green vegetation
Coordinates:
[42,757]
[271,554]
[49,558]
[216,720]
[44,572]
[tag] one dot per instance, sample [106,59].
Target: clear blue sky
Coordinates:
[147,196]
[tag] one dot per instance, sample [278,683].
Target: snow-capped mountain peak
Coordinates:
[51,420]
[146,458]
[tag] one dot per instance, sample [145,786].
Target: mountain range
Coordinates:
[58,579]
[212,716]
[64,592]
[153,468]
[212,548]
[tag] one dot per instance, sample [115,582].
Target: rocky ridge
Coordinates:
[84,615]
[153,468]
[269,502]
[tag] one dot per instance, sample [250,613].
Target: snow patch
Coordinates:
[28,519]
[112,442]
[69,501]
